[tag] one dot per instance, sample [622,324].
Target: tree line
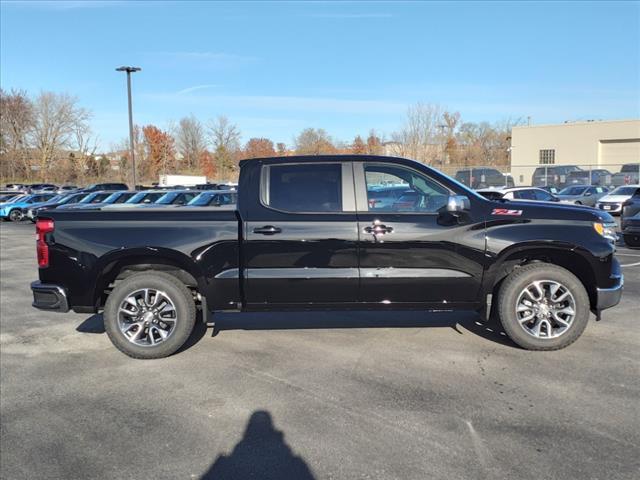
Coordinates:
[49,138]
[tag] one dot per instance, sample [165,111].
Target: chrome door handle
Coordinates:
[267,230]
[378,229]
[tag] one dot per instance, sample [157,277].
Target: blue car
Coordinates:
[14,211]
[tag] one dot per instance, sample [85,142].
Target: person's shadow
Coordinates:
[261,454]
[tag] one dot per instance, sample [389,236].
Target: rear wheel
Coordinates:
[149,315]
[16,215]
[543,307]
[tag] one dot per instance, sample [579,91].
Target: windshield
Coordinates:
[16,199]
[167,198]
[624,191]
[631,168]
[202,199]
[572,191]
[146,197]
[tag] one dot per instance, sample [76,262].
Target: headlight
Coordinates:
[607,230]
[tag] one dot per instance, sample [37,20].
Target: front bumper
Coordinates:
[610,296]
[49,297]
[610,207]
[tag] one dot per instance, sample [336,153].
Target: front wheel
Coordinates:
[631,240]
[543,307]
[149,315]
[16,215]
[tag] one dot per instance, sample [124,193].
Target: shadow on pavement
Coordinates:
[469,321]
[261,454]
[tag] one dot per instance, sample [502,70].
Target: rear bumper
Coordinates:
[610,296]
[49,297]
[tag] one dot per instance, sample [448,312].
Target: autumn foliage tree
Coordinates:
[358,147]
[207,164]
[160,151]
[259,148]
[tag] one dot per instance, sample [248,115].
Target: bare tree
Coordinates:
[225,138]
[56,117]
[312,141]
[190,141]
[85,146]
[418,138]
[16,119]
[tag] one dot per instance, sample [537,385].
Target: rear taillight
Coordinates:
[43,226]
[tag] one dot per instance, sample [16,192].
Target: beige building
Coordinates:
[593,144]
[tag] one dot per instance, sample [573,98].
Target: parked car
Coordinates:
[140,198]
[383,197]
[629,174]
[631,231]
[16,186]
[581,195]
[596,176]
[105,186]
[303,236]
[556,175]
[553,190]
[518,193]
[69,199]
[629,208]
[14,210]
[11,199]
[214,198]
[67,189]
[113,198]
[42,188]
[175,197]
[612,202]
[90,199]
[483,177]
[7,195]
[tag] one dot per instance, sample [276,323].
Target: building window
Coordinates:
[547,157]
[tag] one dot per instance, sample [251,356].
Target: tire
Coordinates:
[512,296]
[176,307]
[16,215]
[632,241]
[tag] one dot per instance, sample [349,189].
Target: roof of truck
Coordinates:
[331,158]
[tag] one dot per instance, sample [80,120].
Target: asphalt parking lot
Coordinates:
[314,395]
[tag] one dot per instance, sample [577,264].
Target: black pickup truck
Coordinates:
[306,235]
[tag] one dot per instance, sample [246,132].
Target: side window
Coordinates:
[525,195]
[416,192]
[313,187]
[543,196]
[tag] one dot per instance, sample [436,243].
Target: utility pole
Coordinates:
[129,71]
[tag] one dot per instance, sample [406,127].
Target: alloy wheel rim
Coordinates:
[545,309]
[15,215]
[147,317]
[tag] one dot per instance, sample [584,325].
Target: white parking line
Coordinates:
[631,265]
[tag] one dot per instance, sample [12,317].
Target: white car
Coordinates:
[612,202]
[531,194]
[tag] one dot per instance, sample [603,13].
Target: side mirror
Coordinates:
[588,194]
[458,203]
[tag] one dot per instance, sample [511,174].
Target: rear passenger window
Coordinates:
[525,194]
[303,188]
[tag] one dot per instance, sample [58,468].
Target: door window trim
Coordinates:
[347,188]
[362,199]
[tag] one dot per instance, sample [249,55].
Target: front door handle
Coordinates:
[267,230]
[378,229]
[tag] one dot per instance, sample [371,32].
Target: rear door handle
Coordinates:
[267,230]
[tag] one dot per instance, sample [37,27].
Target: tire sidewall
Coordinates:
[16,212]
[513,286]
[179,295]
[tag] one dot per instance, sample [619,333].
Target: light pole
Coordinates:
[129,71]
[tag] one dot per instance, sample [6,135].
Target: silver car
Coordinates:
[581,195]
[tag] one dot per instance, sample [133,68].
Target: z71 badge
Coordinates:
[506,211]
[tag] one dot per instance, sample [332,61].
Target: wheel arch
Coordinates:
[569,257]
[120,264]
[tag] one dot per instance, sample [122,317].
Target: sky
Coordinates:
[275,68]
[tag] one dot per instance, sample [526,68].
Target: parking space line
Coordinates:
[631,264]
